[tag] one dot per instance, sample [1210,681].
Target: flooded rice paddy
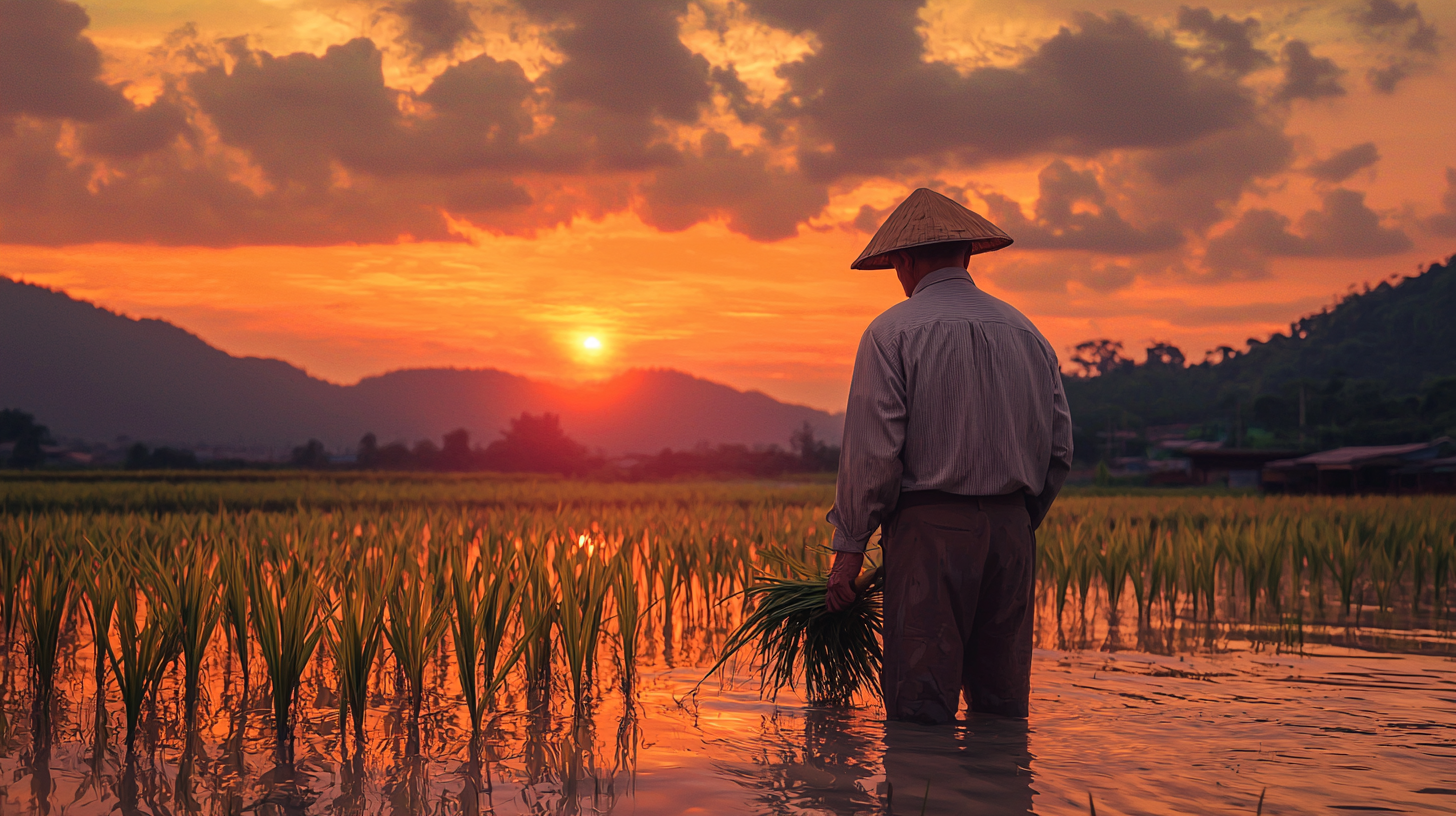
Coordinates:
[1143,702]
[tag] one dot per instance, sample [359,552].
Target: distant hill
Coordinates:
[93,374]
[1379,367]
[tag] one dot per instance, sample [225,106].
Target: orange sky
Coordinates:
[758,310]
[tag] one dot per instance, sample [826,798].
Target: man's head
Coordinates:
[914,263]
[928,232]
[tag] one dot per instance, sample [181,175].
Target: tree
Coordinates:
[1166,354]
[455,452]
[815,455]
[310,455]
[1099,357]
[20,428]
[368,454]
[536,444]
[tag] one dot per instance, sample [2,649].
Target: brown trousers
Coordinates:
[959,584]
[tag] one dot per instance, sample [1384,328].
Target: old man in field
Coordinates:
[957,439]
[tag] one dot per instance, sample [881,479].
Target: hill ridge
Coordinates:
[92,373]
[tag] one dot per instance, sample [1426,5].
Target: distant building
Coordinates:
[1234,467]
[1421,467]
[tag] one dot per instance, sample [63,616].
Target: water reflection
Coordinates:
[981,765]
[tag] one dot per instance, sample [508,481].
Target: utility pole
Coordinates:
[1301,416]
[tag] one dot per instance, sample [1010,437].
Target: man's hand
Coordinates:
[841,580]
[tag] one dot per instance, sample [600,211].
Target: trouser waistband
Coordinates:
[920,498]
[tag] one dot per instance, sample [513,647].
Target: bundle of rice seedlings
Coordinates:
[793,635]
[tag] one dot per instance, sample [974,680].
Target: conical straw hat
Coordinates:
[927,217]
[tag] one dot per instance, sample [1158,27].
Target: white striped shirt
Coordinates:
[953,390]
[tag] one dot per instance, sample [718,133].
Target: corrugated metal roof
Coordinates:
[1369,454]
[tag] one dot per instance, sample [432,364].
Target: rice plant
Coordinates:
[793,634]
[583,582]
[233,573]
[353,635]
[287,621]
[418,617]
[629,613]
[101,586]
[141,653]
[48,581]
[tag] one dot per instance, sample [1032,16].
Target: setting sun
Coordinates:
[591,344]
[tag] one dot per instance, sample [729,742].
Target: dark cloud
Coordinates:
[1344,227]
[624,57]
[1385,78]
[1345,163]
[434,28]
[175,197]
[1100,275]
[869,99]
[298,114]
[1386,18]
[1404,28]
[1307,76]
[1072,212]
[1444,222]
[764,202]
[47,68]
[1227,43]
[137,132]
[479,115]
[1194,184]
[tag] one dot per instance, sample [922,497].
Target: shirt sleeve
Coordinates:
[870,467]
[1061,460]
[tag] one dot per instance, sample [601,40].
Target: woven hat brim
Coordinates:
[926,217]
[979,246]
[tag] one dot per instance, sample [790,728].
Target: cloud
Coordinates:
[1072,212]
[1344,227]
[1386,18]
[1108,83]
[47,68]
[138,131]
[1307,76]
[1444,222]
[1227,43]
[299,113]
[1194,184]
[1100,275]
[764,202]
[1345,163]
[1404,28]
[434,28]
[624,57]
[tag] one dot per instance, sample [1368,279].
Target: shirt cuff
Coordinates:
[843,543]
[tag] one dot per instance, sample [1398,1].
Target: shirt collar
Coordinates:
[942,275]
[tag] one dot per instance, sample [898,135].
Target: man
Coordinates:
[957,439]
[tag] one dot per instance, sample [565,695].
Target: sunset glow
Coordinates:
[1292,154]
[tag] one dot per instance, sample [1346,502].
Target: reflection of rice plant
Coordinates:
[48,579]
[141,654]
[287,623]
[838,653]
[418,616]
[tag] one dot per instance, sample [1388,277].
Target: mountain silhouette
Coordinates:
[90,373]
